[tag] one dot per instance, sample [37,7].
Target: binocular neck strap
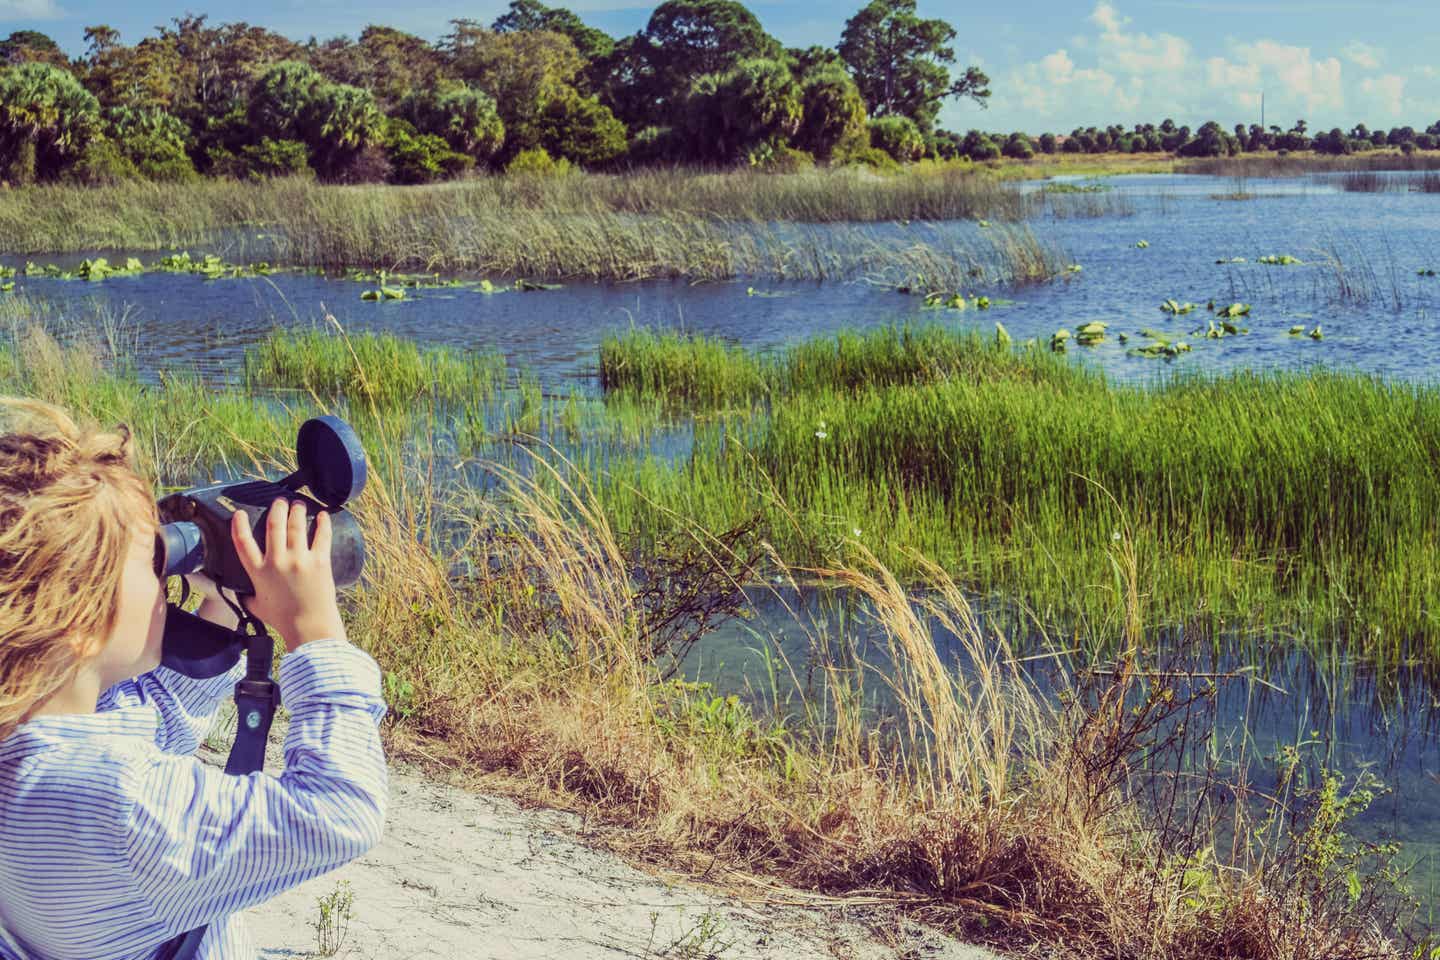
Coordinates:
[256,699]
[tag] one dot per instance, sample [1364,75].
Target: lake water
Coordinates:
[1360,280]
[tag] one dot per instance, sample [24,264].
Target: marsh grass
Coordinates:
[1302,500]
[693,226]
[1297,164]
[986,809]
[702,372]
[377,369]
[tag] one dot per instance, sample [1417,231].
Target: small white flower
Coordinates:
[856,531]
[821,434]
[1115,535]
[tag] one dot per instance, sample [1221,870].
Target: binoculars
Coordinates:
[194,537]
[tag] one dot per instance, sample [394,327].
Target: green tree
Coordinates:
[389,63]
[467,119]
[153,141]
[336,122]
[145,76]
[899,62]
[833,121]
[31,46]
[755,102]
[46,120]
[590,43]
[523,71]
[648,77]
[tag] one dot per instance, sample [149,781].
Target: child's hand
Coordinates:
[294,586]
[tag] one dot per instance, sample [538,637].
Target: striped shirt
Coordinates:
[114,837]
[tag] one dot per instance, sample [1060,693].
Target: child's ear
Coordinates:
[86,647]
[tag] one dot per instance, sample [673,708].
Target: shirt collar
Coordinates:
[53,730]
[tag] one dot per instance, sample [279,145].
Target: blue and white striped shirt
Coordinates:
[114,837]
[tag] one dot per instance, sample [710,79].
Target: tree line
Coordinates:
[538,89]
[1210,140]
[702,83]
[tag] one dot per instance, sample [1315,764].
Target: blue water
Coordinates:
[1385,322]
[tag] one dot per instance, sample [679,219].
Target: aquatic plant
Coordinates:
[1278,260]
[370,368]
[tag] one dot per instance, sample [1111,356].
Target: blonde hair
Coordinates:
[70,499]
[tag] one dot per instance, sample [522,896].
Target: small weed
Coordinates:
[333,922]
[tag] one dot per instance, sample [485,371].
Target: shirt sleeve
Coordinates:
[200,845]
[186,706]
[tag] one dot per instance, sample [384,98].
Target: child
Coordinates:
[114,839]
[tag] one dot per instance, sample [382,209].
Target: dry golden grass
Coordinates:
[988,809]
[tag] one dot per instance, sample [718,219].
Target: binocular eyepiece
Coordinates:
[194,537]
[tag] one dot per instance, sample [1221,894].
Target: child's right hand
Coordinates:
[294,585]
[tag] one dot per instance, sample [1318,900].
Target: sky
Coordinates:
[1053,64]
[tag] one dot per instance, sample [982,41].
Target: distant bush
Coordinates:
[833,120]
[155,143]
[874,158]
[421,157]
[898,137]
[537,162]
[652,145]
[780,158]
[581,129]
[465,118]
[274,158]
[1019,147]
[101,164]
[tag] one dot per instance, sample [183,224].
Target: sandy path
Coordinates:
[460,874]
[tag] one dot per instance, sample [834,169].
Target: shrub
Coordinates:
[780,158]
[1019,147]
[898,137]
[421,157]
[729,114]
[102,164]
[536,162]
[581,129]
[656,145]
[833,119]
[467,119]
[274,158]
[874,158]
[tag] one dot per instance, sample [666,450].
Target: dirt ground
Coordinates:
[460,874]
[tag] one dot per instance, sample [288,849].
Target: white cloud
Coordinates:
[1136,52]
[1387,92]
[1311,85]
[30,10]
[1114,71]
[1363,55]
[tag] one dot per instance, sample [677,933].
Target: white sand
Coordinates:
[460,874]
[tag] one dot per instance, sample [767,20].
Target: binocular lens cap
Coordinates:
[330,459]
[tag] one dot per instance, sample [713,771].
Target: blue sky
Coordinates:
[1055,64]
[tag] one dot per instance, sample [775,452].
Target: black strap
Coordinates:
[257,697]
